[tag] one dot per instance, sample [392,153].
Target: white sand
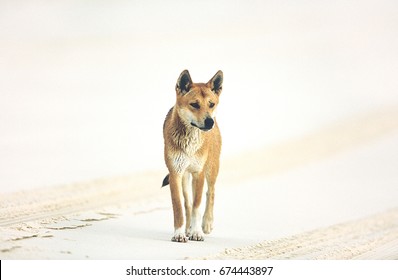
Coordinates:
[131,218]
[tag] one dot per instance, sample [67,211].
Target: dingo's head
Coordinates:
[197,102]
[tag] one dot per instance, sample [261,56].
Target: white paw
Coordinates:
[195,231]
[196,236]
[179,236]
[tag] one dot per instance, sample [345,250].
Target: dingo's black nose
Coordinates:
[209,122]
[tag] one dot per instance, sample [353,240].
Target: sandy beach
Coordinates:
[129,217]
[308,115]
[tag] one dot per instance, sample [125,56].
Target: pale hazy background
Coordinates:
[85,85]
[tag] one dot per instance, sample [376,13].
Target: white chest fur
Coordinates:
[183,162]
[188,142]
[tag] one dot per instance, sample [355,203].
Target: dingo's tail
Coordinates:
[165,181]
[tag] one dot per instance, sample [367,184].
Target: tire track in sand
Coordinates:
[374,237]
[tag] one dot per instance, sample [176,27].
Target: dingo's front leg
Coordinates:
[196,232]
[176,190]
[187,191]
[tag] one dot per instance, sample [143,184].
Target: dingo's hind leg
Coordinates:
[207,223]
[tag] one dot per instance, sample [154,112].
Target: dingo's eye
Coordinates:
[211,105]
[195,105]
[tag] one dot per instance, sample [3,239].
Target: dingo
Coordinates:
[192,145]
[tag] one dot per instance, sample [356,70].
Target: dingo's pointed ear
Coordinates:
[184,82]
[216,82]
